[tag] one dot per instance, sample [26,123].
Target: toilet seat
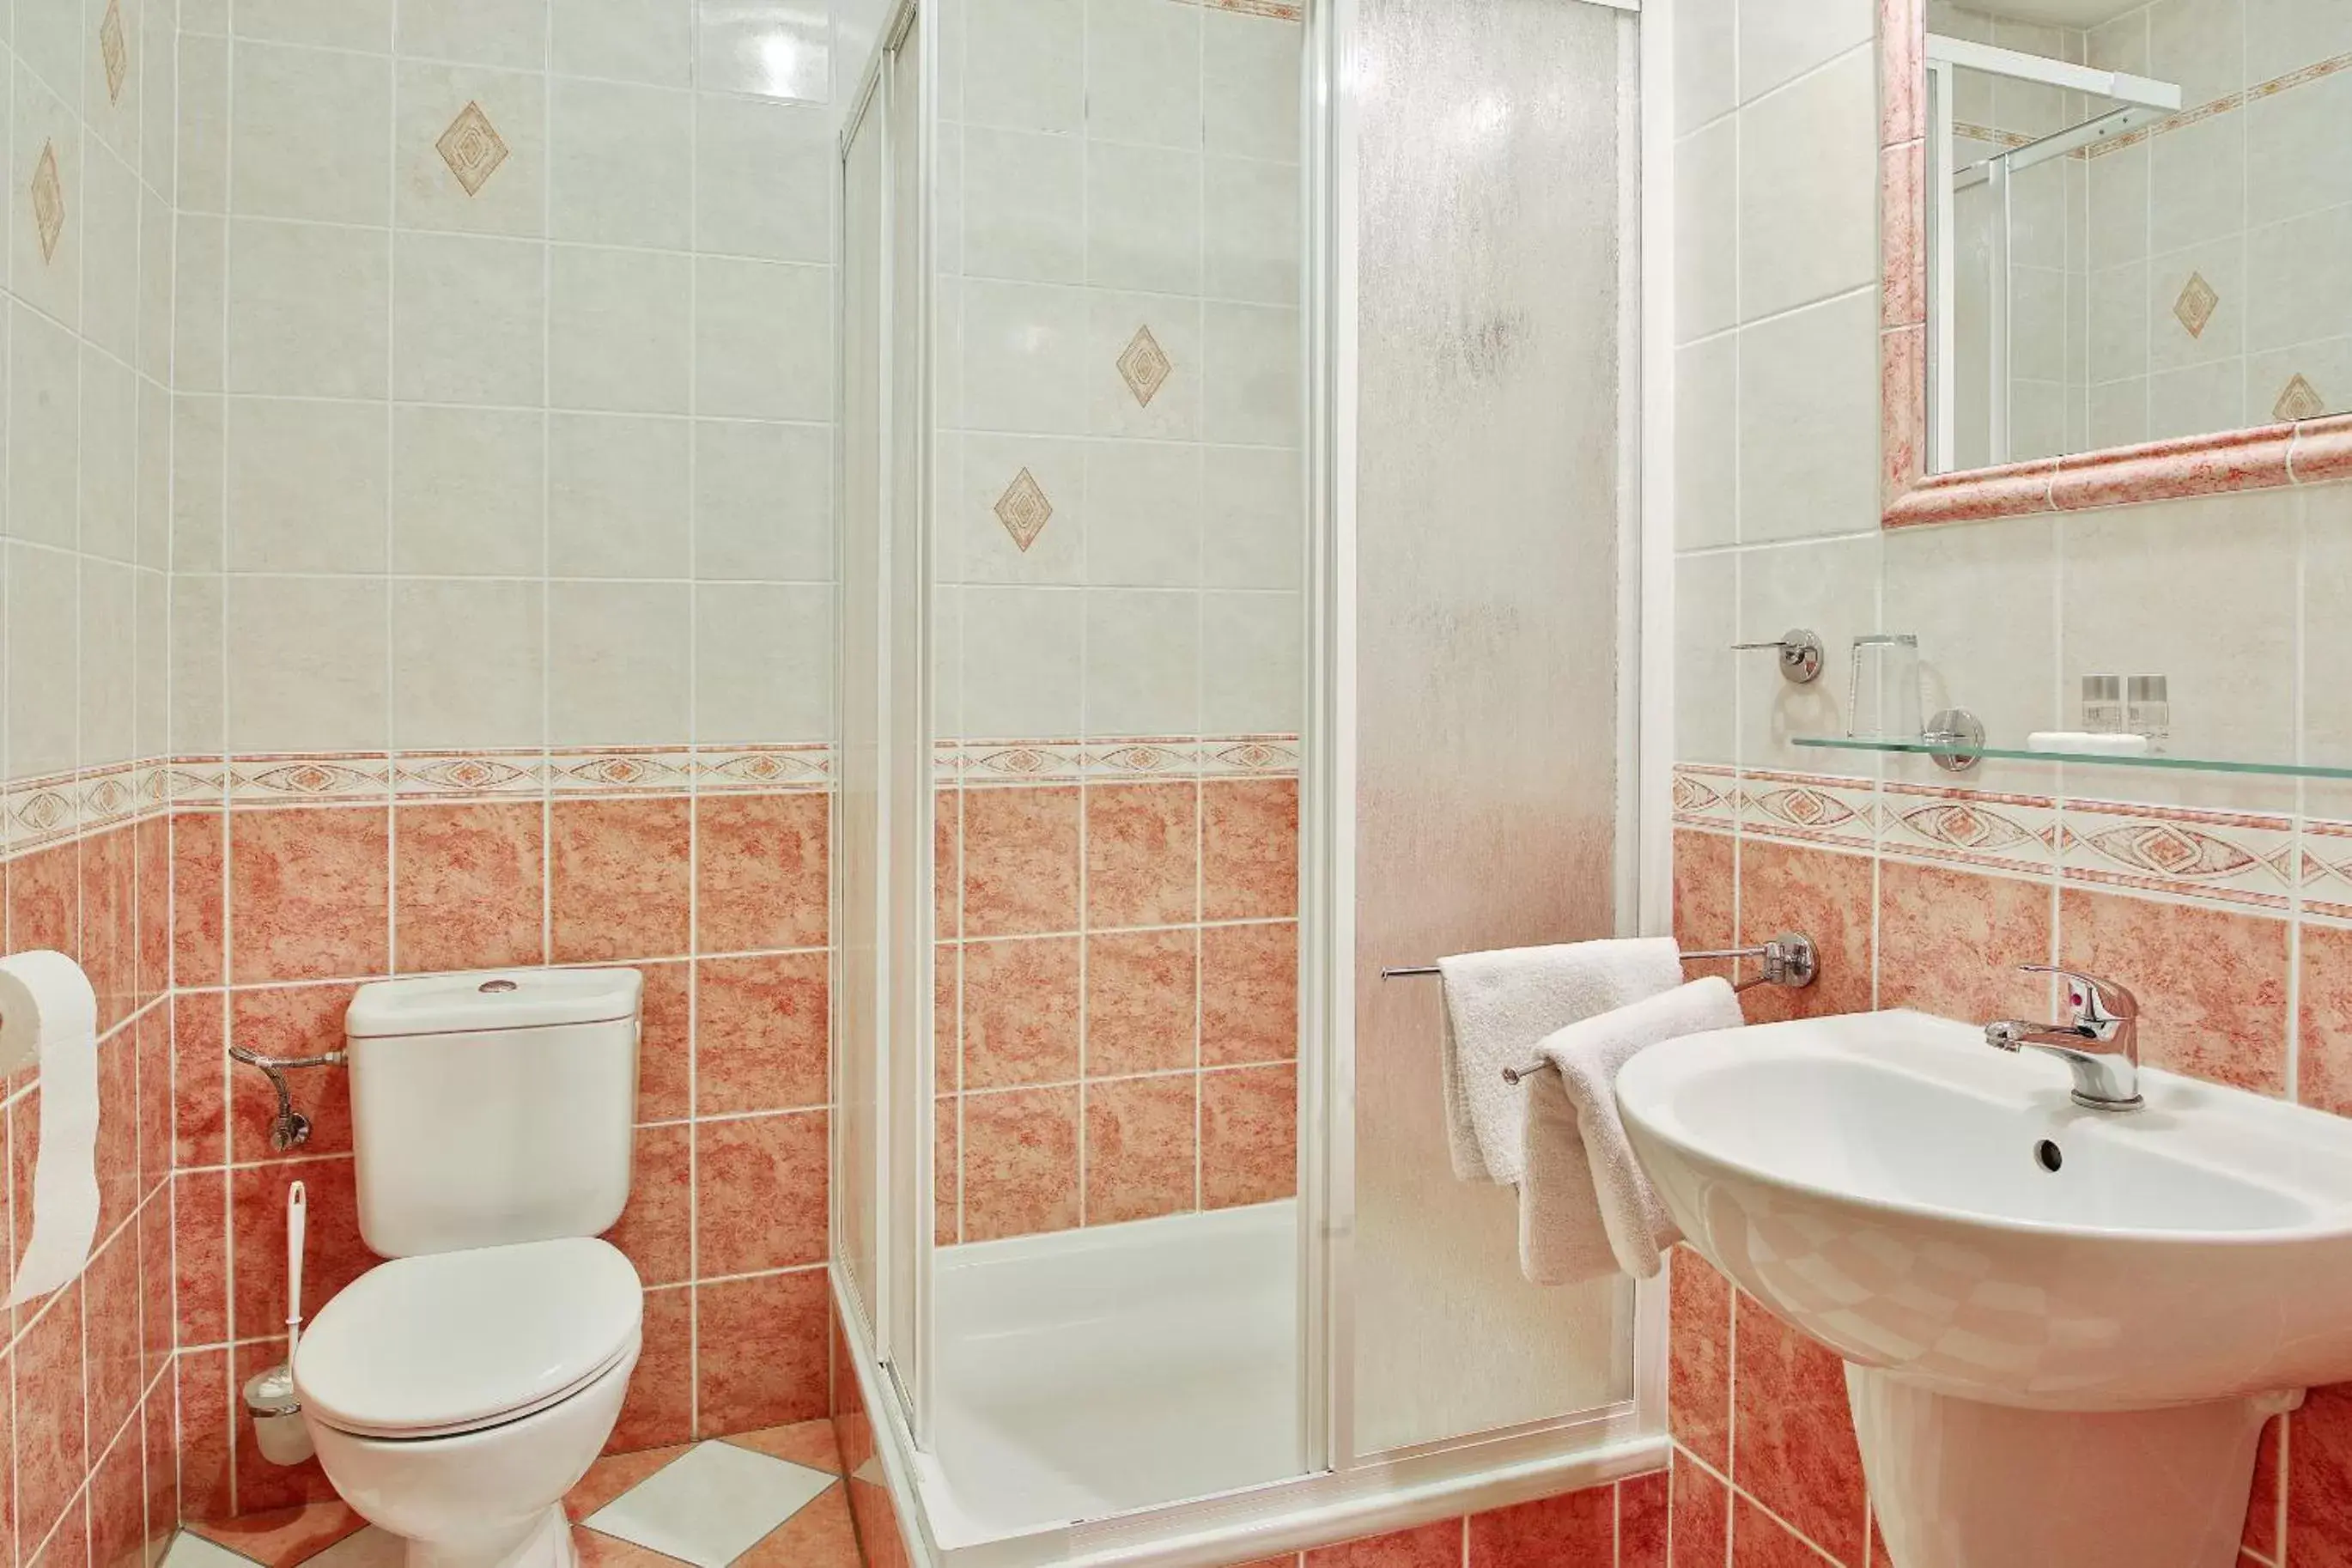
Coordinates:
[448,1343]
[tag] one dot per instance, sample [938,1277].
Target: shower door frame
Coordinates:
[1339,1490]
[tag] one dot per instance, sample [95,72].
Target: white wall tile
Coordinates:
[1779,43]
[1144,514]
[199,702]
[1705,610]
[513,199]
[1023,673]
[1829,586]
[1707,217]
[43,608]
[763,349]
[347,25]
[2283,35]
[469,318]
[308,486]
[203,143]
[2291,138]
[617,661]
[620,164]
[764,662]
[619,329]
[306,664]
[2197,183]
[1249,71]
[2200,44]
[975,537]
[763,501]
[776,49]
[1143,662]
[1809,422]
[1808,188]
[1143,219]
[1112,407]
[199,295]
[625,40]
[44,429]
[468,491]
[764,175]
[197,456]
[1707,36]
[1024,64]
[42,122]
[311,134]
[467,663]
[310,309]
[1024,199]
[108,458]
[110,283]
[1251,393]
[1143,72]
[1252,673]
[619,497]
[1023,357]
[1706,442]
[476,32]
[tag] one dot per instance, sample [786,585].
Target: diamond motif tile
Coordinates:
[2197,304]
[472,148]
[114,51]
[1144,365]
[2299,400]
[712,1505]
[1024,509]
[49,200]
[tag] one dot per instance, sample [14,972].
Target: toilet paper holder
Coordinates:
[289,1127]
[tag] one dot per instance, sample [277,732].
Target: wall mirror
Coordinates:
[2114,235]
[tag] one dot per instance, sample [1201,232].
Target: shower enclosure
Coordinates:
[1239,594]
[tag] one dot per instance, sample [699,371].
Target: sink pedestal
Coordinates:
[1962,1484]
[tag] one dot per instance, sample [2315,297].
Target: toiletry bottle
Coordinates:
[2103,704]
[2148,710]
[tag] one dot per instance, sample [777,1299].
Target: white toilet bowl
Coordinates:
[455,1397]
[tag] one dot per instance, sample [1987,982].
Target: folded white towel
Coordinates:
[1499,1005]
[1586,1209]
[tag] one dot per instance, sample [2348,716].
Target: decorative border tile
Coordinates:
[2266,457]
[2231,857]
[1808,808]
[2327,868]
[469,776]
[1705,798]
[764,768]
[2015,833]
[327,776]
[974,763]
[654,770]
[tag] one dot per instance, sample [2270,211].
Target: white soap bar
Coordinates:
[2087,743]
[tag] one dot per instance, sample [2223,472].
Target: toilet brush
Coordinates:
[269,1396]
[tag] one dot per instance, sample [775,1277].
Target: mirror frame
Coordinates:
[2262,457]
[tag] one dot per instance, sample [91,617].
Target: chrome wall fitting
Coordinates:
[289,1127]
[1801,651]
[1957,738]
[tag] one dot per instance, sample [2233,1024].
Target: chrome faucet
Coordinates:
[2100,1047]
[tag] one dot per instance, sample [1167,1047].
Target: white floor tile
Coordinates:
[189,1550]
[710,1505]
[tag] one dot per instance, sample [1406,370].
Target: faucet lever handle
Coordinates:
[2096,1000]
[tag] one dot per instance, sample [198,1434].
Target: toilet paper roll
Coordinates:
[49,1016]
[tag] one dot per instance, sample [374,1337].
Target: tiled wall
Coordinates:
[86,1457]
[1924,895]
[1120,517]
[1117,984]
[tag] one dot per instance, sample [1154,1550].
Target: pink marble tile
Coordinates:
[2320,1481]
[1705,887]
[821,1535]
[1021,1008]
[199,1079]
[113,1335]
[2325,1073]
[1249,849]
[1249,1136]
[811,1443]
[947,862]
[763,868]
[118,1129]
[666,1054]
[199,890]
[1902,417]
[2224,1017]
[162,1429]
[1020,860]
[1759,1540]
[1434,1545]
[660,1407]
[656,1229]
[469,886]
[69,1547]
[1793,1444]
[280,1537]
[335,1257]
[1020,1162]
[45,901]
[762,1032]
[1824,895]
[1701,1510]
[51,1455]
[1699,1359]
[2266,1498]
[2323,450]
[1140,1147]
[1249,994]
[614,1474]
[2248,459]
[309,890]
[109,916]
[204,1433]
[1643,1521]
[152,865]
[760,1192]
[760,1356]
[1143,1000]
[620,876]
[1976,495]
[1143,856]
[1950,941]
[1574,1528]
[152,1040]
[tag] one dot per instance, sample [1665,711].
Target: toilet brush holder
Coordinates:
[276,1413]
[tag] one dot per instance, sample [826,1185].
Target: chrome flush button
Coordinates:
[498,987]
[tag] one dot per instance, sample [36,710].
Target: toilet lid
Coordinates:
[447,1342]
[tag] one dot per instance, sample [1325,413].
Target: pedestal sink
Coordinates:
[2063,1327]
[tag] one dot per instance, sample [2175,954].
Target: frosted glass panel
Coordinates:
[1488,507]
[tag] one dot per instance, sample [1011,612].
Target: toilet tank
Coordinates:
[492,1108]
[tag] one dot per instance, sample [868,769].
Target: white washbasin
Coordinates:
[1878,1180]
[2068,1365]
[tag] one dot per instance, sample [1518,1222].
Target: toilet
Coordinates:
[456,1392]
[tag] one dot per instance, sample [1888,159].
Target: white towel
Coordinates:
[1586,1209]
[1499,1005]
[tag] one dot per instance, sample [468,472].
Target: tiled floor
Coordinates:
[764,1500]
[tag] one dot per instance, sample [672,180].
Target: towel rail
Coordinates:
[1789,959]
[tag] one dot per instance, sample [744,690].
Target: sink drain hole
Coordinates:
[2047,1155]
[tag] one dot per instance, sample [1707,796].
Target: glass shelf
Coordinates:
[2093,759]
